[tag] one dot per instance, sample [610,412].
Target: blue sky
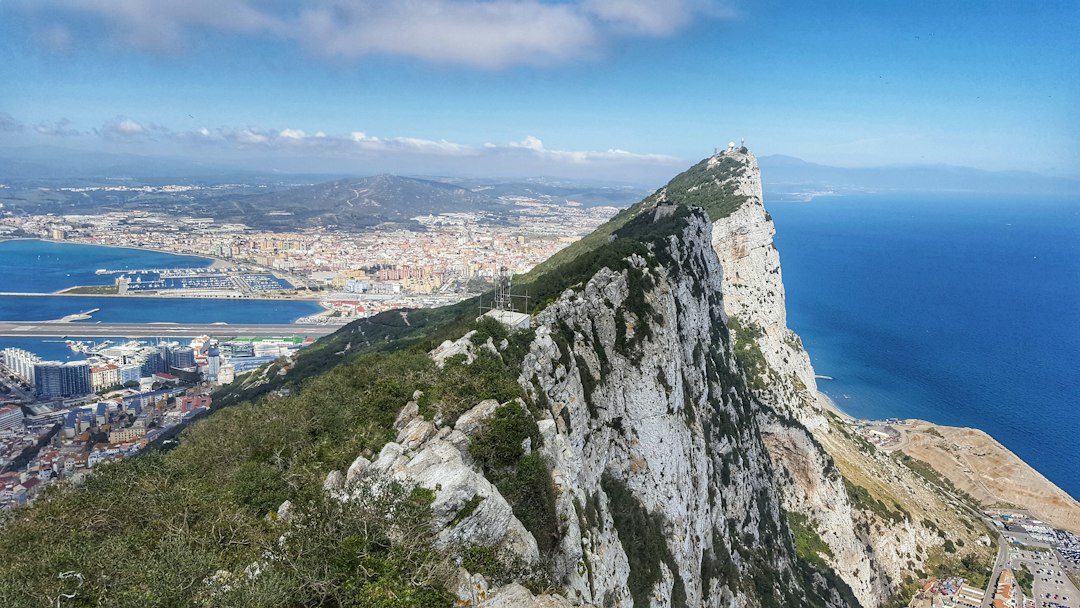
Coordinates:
[608,88]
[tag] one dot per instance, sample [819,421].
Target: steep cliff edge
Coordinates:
[884,525]
[874,550]
[754,297]
[663,489]
[637,446]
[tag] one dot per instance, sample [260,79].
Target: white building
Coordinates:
[21,363]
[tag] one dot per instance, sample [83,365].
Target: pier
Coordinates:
[79,316]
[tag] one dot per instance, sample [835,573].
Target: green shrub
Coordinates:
[642,535]
[862,499]
[808,545]
[531,493]
[499,444]
[459,386]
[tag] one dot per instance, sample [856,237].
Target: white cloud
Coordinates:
[245,137]
[480,33]
[535,146]
[129,129]
[530,143]
[291,134]
[58,128]
[650,17]
[294,149]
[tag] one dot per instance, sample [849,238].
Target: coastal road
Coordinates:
[1000,563]
[156,330]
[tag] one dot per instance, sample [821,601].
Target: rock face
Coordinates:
[437,458]
[664,488]
[673,471]
[874,563]
[754,296]
[663,481]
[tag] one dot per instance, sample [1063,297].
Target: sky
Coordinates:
[614,89]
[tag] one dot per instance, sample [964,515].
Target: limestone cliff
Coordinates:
[677,417]
[781,376]
[663,487]
[754,295]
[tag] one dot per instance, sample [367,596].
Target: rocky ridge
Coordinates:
[873,564]
[663,485]
[673,472]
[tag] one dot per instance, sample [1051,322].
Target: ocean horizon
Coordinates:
[959,309]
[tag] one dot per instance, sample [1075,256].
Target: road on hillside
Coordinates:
[999,565]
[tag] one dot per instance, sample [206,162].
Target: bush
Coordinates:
[642,535]
[152,529]
[523,479]
[334,553]
[460,386]
[499,444]
[808,545]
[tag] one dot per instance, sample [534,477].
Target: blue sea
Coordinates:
[958,309]
[33,266]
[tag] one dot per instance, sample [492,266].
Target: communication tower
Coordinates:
[504,299]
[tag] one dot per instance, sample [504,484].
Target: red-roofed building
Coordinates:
[189,403]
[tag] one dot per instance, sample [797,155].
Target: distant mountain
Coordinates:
[554,190]
[353,203]
[787,177]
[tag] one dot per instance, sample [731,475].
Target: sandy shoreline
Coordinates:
[825,402]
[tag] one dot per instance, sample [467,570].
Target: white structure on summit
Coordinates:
[731,146]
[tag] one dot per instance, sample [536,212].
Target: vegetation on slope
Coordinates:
[643,538]
[157,529]
[748,352]
[808,544]
[198,525]
[710,188]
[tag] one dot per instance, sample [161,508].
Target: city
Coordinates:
[61,419]
[365,270]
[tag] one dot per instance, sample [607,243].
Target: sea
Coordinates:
[34,266]
[959,309]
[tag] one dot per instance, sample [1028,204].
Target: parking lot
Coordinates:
[1052,587]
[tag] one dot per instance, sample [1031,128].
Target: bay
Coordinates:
[962,310]
[155,310]
[35,266]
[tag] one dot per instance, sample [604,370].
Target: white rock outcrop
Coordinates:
[754,295]
[872,564]
[437,458]
[671,473]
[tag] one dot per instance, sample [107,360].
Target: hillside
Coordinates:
[649,441]
[352,203]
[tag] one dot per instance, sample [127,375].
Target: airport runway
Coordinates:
[155,330]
